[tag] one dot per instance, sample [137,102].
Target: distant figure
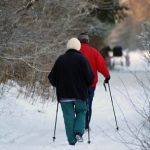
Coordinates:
[127,58]
[72,77]
[105,53]
[117,53]
[97,64]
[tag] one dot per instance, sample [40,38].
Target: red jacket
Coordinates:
[96,61]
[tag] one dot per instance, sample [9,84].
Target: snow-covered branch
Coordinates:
[27,6]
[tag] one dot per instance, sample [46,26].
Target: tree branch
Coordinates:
[29,4]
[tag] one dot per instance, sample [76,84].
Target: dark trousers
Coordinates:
[91,91]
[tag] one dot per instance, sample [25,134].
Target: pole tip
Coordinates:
[117,128]
[54,139]
[89,142]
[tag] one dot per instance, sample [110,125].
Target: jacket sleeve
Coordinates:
[87,71]
[53,74]
[101,65]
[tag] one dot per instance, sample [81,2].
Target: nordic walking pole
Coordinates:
[89,141]
[54,137]
[112,105]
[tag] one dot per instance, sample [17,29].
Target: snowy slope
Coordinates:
[26,126]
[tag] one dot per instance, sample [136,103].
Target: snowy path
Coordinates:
[30,127]
[24,126]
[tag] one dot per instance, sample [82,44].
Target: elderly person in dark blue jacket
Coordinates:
[72,76]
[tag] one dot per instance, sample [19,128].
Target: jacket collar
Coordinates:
[84,43]
[72,50]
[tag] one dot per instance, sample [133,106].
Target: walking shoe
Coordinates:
[79,138]
[73,142]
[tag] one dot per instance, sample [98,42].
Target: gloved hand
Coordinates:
[106,80]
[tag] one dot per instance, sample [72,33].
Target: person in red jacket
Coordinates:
[97,64]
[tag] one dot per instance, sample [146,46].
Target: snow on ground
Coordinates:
[27,126]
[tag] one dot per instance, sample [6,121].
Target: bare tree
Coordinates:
[144,40]
[34,33]
[141,134]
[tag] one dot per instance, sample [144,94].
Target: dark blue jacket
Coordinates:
[72,76]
